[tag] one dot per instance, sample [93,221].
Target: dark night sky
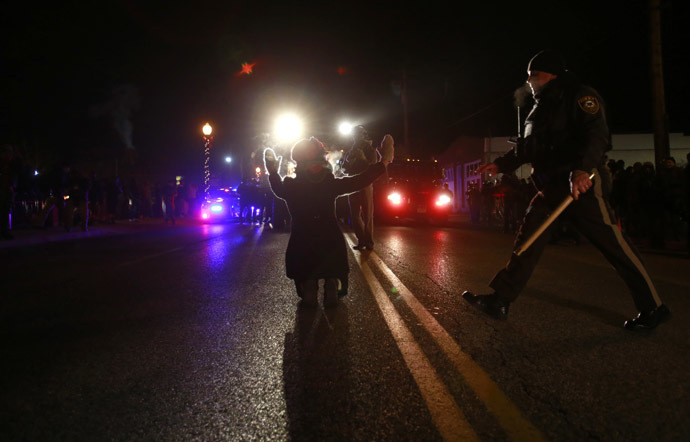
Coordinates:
[94,76]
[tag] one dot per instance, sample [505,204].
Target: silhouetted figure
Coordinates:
[169,195]
[76,197]
[8,179]
[316,249]
[359,157]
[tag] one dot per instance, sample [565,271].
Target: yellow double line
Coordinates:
[445,412]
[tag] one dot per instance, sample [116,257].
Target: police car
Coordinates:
[221,204]
[413,189]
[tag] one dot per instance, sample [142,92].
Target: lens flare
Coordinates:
[443,200]
[395,198]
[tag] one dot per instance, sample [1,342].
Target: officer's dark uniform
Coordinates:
[567,131]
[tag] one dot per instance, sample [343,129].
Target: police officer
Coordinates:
[360,156]
[566,137]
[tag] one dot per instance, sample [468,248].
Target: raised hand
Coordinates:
[386,149]
[271,161]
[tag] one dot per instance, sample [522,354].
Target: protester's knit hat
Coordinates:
[547,61]
[308,150]
[310,155]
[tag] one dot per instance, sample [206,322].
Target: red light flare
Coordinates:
[342,70]
[247,69]
[395,198]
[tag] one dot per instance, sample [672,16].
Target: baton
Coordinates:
[545,225]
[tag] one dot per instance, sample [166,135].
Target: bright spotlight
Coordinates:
[288,128]
[228,160]
[345,128]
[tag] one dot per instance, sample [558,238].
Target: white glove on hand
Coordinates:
[271,161]
[386,149]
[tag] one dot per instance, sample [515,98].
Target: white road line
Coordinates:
[499,405]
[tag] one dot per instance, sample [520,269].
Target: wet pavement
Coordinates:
[26,235]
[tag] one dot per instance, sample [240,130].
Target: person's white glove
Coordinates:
[271,161]
[386,149]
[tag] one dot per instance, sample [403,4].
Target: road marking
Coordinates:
[147,257]
[499,405]
[447,416]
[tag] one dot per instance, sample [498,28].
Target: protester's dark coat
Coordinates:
[316,249]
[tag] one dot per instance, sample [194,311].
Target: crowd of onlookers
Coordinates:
[61,196]
[650,203]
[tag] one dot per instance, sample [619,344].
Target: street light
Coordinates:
[208,141]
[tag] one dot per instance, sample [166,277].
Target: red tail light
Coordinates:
[395,198]
[442,200]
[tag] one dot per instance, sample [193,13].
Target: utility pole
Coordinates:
[659,118]
[403,99]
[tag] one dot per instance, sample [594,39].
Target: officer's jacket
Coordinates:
[565,131]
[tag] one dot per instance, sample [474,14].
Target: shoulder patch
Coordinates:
[589,104]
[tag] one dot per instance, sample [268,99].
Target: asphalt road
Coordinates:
[194,333]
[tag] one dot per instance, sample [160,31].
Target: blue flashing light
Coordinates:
[216,208]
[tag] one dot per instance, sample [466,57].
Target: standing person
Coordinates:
[77,197]
[7,186]
[361,155]
[686,179]
[474,200]
[181,205]
[316,249]
[566,137]
[510,186]
[446,191]
[169,196]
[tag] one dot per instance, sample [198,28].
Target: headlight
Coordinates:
[216,208]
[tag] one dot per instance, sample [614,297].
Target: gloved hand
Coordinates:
[271,161]
[386,149]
